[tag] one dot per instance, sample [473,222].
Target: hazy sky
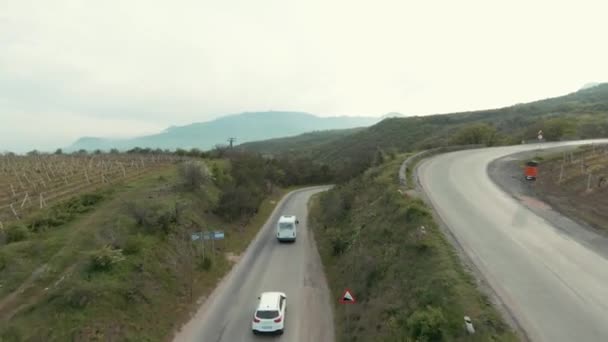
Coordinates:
[70,68]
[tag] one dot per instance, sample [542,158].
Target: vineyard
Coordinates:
[29,183]
[576,184]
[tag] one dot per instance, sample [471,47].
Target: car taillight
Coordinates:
[278,320]
[255,319]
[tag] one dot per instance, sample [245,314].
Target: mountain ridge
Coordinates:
[245,127]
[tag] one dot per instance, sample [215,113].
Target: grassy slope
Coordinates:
[143,297]
[586,111]
[300,143]
[369,239]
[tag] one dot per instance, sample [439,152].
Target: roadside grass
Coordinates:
[109,278]
[408,280]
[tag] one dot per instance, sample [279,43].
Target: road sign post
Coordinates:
[347,298]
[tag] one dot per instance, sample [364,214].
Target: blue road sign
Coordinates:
[218,235]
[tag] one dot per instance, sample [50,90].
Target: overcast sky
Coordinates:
[123,68]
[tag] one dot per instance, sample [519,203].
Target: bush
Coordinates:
[427,324]
[205,264]
[78,296]
[165,221]
[194,174]
[10,334]
[16,233]
[142,213]
[416,211]
[104,258]
[133,245]
[89,200]
[338,246]
[3,261]
[239,201]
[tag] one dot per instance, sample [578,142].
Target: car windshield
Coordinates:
[284,225]
[267,314]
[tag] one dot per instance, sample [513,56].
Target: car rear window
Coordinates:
[267,314]
[285,226]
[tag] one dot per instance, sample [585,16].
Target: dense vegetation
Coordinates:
[299,144]
[583,114]
[119,264]
[386,248]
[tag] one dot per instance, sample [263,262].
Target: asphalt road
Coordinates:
[555,286]
[266,265]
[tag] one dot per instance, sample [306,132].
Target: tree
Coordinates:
[194,174]
[475,134]
[58,151]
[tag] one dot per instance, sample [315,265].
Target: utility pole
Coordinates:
[231,141]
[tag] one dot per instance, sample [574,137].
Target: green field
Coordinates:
[118,263]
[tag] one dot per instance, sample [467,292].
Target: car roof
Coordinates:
[270,300]
[287,218]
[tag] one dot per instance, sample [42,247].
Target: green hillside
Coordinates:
[582,114]
[300,143]
[408,282]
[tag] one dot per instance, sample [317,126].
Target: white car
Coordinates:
[287,228]
[269,317]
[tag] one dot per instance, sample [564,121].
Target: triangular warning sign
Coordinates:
[347,297]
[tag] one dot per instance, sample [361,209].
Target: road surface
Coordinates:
[266,265]
[555,286]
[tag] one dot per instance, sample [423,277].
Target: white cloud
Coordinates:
[156,63]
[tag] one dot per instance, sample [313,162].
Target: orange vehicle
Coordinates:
[531,170]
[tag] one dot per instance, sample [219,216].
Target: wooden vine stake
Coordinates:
[42,201]
[14,211]
[25,199]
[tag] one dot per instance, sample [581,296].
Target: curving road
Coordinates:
[266,265]
[555,286]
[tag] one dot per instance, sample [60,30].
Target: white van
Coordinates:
[286,228]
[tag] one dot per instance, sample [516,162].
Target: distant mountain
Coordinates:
[392,115]
[245,127]
[590,85]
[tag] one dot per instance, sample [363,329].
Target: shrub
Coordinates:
[427,324]
[338,246]
[205,264]
[10,334]
[90,199]
[194,174]
[133,245]
[3,261]
[16,233]
[142,213]
[104,258]
[416,211]
[165,221]
[78,296]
